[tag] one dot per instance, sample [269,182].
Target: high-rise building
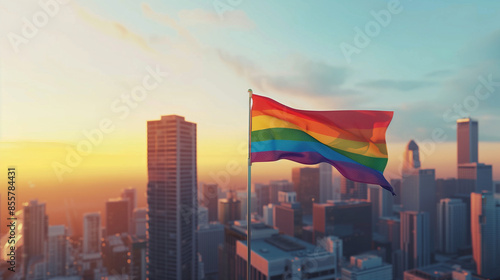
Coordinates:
[446,188]
[242,197]
[287,216]
[451,225]
[57,251]
[117,216]
[229,209]
[352,190]
[35,230]
[210,237]
[367,267]
[262,196]
[209,200]
[284,257]
[333,244]
[130,194]
[348,220]
[326,191]
[172,199]
[306,185]
[390,229]
[381,201]
[467,141]
[277,186]
[415,239]
[92,233]
[137,257]
[485,232]
[474,177]
[140,220]
[202,216]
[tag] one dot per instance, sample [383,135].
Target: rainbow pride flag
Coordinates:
[352,141]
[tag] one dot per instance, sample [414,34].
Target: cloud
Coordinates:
[301,77]
[401,85]
[438,74]
[232,18]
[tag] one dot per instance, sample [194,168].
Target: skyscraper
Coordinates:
[325,182]
[287,216]
[277,186]
[415,239]
[467,141]
[485,233]
[56,251]
[262,196]
[92,233]
[35,229]
[229,209]
[209,200]
[306,185]
[172,199]
[209,239]
[350,221]
[352,190]
[381,201]
[130,194]
[117,216]
[475,177]
[451,225]
[139,220]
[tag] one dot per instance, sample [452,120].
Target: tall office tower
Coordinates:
[352,190]
[485,234]
[57,251]
[229,209]
[284,257]
[117,216]
[306,185]
[390,229]
[467,141]
[262,196]
[202,216]
[381,201]
[35,229]
[333,244]
[325,182]
[474,177]
[367,266]
[276,186]
[210,237]
[131,195]
[287,216]
[451,225]
[172,199]
[415,239]
[267,214]
[446,188]
[140,220]
[349,220]
[209,200]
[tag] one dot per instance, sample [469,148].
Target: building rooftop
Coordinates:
[435,270]
[284,247]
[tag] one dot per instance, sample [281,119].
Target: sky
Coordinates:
[73,70]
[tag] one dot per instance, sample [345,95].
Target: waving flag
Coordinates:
[352,141]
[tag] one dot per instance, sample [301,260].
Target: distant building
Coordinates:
[229,210]
[335,246]
[130,194]
[202,216]
[117,216]
[140,222]
[57,251]
[382,201]
[92,233]
[209,200]
[261,196]
[390,229]
[326,191]
[467,141]
[306,185]
[137,258]
[268,214]
[451,226]
[115,254]
[287,216]
[352,190]
[35,231]
[277,186]
[474,177]
[210,237]
[284,257]
[367,267]
[415,239]
[348,220]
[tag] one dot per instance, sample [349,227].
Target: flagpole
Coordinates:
[249,185]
